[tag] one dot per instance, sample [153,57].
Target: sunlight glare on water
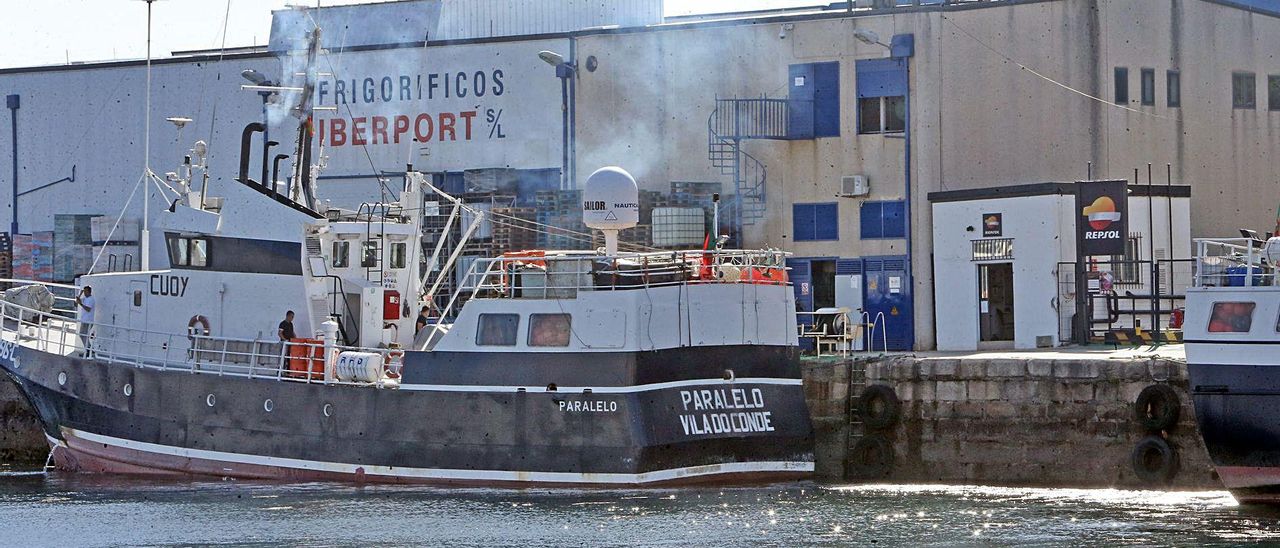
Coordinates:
[103,511]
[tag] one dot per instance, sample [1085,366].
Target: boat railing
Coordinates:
[1228,262]
[562,274]
[64,295]
[298,360]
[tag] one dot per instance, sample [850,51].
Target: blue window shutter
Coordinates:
[827,221]
[800,94]
[880,77]
[894,222]
[802,222]
[826,99]
[869,219]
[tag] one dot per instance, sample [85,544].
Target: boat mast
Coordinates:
[146,159]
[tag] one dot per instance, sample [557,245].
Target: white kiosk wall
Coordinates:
[1042,230]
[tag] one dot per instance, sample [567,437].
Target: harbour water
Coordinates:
[78,510]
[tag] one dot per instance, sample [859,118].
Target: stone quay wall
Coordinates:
[1018,421]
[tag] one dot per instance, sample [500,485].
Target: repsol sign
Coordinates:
[168,286]
[1102,214]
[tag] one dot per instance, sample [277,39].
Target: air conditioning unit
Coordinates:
[854,185]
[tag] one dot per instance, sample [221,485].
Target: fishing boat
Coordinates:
[1232,334]
[542,367]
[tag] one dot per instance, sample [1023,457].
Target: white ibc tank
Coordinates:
[610,200]
[359,367]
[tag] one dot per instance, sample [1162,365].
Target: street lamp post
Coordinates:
[564,71]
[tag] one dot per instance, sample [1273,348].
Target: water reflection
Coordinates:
[102,510]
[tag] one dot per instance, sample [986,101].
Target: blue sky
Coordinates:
[57,31]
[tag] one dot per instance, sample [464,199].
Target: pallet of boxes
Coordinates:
[116,244]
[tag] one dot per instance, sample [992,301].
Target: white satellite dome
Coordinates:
[610,200]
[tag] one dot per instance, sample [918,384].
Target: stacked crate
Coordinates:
[42,256]
[700,194]
[23,260]
[514,229]
[72,246]
[649,200]
[636,238]
[561,209]
[116,251]
[6,256]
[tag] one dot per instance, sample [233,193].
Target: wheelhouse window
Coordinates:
[188,251]
[369,254]
[549,329]
[497,329]
[1232,317]
[341,254]
[399,251]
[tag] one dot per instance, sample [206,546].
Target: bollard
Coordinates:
[330,336]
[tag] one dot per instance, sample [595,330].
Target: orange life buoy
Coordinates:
[202,331]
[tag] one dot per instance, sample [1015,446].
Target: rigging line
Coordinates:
[565,231]
[573,235]
[1051,80]
[117,223]
[213,112]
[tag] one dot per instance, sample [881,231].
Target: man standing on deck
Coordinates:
[285,330]
[85,304]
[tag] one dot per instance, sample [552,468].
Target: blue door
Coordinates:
[802,283]
[887,292]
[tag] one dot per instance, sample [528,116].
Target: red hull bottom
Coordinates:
[1252,484]
[84,456]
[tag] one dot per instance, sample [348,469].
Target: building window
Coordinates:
[882,114]
[869,115]
[341,254]
[993,249]
[1173,85]
[1148,86]
[1122,86]
[1243,90]
[815,222]
[1231,317]
[880,220]
[549,329]
[369,254]
[497,329]
[895,114]
[398,252]
[1273,92]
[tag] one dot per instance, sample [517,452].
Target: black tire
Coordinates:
[1154,461]
[871,457]
[1157,408]
[879,407]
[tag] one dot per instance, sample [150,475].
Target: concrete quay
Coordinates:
[1039,418]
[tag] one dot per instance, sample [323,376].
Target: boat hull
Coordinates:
[1238,413]
[169,422]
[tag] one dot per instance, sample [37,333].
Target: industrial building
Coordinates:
[824,130]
